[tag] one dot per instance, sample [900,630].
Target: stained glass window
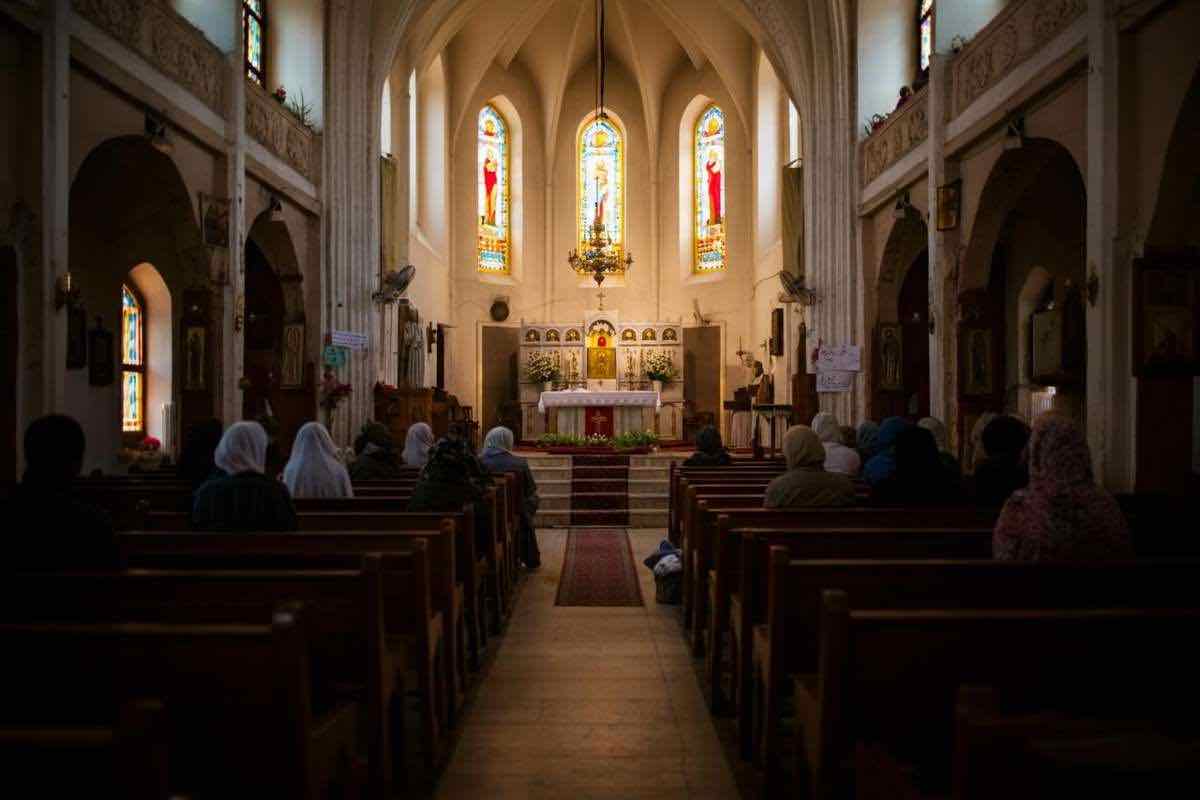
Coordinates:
[254,17]
[495,223]
[709,191]
[601,182]
[925,15]
[133,363]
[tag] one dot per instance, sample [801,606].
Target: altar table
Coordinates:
[617,412]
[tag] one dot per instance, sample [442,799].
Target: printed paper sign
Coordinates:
[335,356]
[839,358]
[834,381]
[349,339]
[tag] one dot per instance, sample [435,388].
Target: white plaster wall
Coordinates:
[961,18]
[296,52]
[887,54]
[216,20]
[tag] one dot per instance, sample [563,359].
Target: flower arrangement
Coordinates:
[332,392]
[280,95]
[541,368]
[659,367]
[150,445]
[624,441]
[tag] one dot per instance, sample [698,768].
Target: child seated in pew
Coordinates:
[920,477]
[243,498]
[54,528]
[314,469]
[710,450]
[497,456]
[806,482]
[376,459]
[1062,514]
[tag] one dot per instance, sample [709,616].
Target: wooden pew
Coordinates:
[744,471]
[366,626]
[160,547]
[241,714]
[890,677]
[126,759]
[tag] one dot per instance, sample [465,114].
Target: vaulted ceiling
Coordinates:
[551,41]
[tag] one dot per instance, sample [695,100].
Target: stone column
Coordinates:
[1110,397]
[56,195]
[943,257]
[233,295]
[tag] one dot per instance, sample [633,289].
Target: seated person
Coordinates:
[1062,515]
[1002,470]
[838,458]
[314,469]
[710,451]
[806,483]
[497,456]
[417,442]
[453,478]
[243,498]
[377,457]
[882,465]
[57,530]
[938,429]
[919,477]
[196,463]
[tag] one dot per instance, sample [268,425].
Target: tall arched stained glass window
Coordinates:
[254,20]
[495,219]
[601,176]
[925,22]
[709,191]
[133,363]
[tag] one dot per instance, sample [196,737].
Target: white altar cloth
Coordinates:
[582,398]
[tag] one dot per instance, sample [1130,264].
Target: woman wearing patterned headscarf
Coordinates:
[806,483]
[1062,515]
[243,498]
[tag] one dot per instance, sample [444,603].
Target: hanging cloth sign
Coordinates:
[349,339]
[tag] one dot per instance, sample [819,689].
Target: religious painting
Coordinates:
[601,183]
[602,363]
[709,192]
[1165,308]
[670,335]
[629,335]
[649,335]
[214,220]
[101,359]
[194,347]
[532,336]
[977,360]
[493,179]
[292,369]
[1047,329]
[552,335]
[891,357]
[949,205]
[76,337]
[573,335]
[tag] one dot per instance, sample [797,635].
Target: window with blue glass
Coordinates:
[925,25]
[133,362]
[254,21]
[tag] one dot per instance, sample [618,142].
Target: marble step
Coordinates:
[651,486]
[562,502]
[565,473]
[638,518]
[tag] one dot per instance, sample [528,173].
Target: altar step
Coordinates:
[589,490]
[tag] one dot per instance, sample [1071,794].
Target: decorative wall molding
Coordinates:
[904,130]
[1016,33]
[166,40]
[276,129]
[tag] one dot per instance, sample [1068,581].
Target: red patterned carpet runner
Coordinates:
[598,569]
[600,488]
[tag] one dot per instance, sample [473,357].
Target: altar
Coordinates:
[601,385]
[579,412]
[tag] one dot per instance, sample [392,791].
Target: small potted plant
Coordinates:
[280,95]
[541,369]
[660,370]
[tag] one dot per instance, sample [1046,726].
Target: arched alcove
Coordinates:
[903,306]
[129,206]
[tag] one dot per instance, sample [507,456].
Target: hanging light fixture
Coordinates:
[601,256]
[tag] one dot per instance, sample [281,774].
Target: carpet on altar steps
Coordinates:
[600,486]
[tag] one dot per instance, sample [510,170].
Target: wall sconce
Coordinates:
[64,293]
[1014,134]
[903,206]
[156,134]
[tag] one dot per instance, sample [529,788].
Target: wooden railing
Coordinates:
[905,129]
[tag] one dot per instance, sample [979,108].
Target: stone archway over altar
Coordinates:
[603,387]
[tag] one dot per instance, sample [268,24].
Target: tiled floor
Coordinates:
[588,703]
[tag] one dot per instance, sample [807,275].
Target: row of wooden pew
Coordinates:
[857,628]
[261,664]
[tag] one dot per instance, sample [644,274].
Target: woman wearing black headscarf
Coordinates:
[451,479]
[1003,469]
[196,463]
[920,477]
[710,451]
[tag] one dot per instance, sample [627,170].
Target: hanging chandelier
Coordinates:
[601,256]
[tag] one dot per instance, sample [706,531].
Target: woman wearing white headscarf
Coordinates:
[416,444]
[497,456]
[806,483]
[838,458]
[243,498]
[314,469]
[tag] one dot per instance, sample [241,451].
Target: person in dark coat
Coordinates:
[497,456]
[196,463]
[710,450]
[53,528]
[920,477]
[453,478]
[243,498]
[377,457]
[1003,469]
